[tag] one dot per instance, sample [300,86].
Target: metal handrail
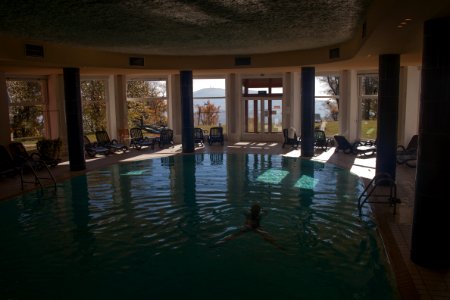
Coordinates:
[382,179]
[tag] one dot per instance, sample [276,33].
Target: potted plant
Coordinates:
[49,150]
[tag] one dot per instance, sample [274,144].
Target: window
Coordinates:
[93,101]
[263,105]
[27,110]
[147,105]
[368,97]
[209,103]
[327,104]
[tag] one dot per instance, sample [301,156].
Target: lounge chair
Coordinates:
[215,135]
[22,160]
[113,145]
[199,137]
[138,140]
[320,139]
[49,151]
[411,147]
[7,167]
[92,149]
[366,148]
[408,155]
[165,137]
[343,144]
[292,141]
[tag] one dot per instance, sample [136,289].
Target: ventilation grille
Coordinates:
[137,61]
[34,50]
[334,53]
[242,61]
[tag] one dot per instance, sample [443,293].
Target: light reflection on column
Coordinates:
[82,235]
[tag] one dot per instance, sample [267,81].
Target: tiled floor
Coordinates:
[414,282]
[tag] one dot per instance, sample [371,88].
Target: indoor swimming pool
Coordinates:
[160,228]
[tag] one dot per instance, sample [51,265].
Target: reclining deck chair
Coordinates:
[199,137]
[408,155]
[294,141]
[215,135]
[138,140]
[7,167]
[104,141]
[92,149]
[32,161]
[365,148]
[165,137]
[320,139]
[49,151]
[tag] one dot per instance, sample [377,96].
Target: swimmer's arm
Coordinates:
[268,238]
[264,212]
[233,236]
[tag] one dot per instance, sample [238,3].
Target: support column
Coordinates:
[408,108]
[118,108]
[308,110]
[287,101]
[187,112]
[174,106]
[232,106]
[348,105]
[387,118]
[431,223]
[74,122]
[295,103]
[5,133]
[53,109]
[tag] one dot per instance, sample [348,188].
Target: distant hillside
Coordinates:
[210,92]
[320,105]
[220,102]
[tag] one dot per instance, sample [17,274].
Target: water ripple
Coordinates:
[139,225]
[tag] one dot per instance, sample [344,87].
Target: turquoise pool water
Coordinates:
[155,229]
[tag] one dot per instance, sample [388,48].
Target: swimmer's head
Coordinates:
[255,210]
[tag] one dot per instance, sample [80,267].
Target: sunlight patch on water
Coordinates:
[272,176]
[306,182]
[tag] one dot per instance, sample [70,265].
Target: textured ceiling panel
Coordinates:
[171,27]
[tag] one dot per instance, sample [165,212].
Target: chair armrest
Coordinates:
[367,143]
[35,156]
[401,148]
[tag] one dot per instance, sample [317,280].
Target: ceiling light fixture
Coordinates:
[404,23]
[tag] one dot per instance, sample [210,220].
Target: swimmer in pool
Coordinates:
[253,223]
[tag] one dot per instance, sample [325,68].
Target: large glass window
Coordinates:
[368,96]
[209,103]
[93,101]
[27,107]
[147,105]
[263,104]
[327,104]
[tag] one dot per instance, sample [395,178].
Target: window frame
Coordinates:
[333,97]
[44,103]
[225,97]
[259,99]
[362,97]
[149,98]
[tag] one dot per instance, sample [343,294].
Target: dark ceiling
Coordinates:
[190,27]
